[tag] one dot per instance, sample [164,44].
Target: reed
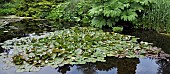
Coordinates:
[157,17]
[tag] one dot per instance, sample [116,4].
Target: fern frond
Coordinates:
[129,15]
[98,22]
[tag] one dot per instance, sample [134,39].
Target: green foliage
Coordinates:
[71,11]
[1,1]
[7,8]
[36,8]
[109,12]
[98,13]
[156,17]
[117,29]
[7,11]
[76,45]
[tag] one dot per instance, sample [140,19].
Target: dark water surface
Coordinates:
[111,66]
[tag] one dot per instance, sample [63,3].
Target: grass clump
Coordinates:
[157,17]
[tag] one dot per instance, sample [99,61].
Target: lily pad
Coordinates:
[77,45]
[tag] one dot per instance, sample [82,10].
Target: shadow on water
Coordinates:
[111,66]
[21,29]
[164,67]
[158,40]
[121,66]
[28,27]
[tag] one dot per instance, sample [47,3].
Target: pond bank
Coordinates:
[167,34]
[13,18]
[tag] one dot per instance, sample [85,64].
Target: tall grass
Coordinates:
[157,17]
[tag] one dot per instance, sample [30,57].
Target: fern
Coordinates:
[98,22]
[96,11]
[112,13]
[129,15]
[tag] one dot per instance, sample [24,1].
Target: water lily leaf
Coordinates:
[137,47]
[28,67]
[53,56]
[76,45]
[143,52]
[54,66]
[59,60]
[22,67]
[103,60]
[20,70]
[31,55]
[61,65]
[72,63]
[39,50]
[111,55]
[94,60]
[81,62]
[78,51]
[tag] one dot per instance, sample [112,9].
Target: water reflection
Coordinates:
[158,40]
[64,68]
[164,66]
[121,66]
[147,66]
[112,65]
[88,68]
[24,28]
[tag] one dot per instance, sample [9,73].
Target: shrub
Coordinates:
[35,8]
[98,12]
[71,11]
[7,8]
[109,12]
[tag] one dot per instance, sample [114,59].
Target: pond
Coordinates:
[111,66]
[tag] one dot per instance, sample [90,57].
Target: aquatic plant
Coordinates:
[77,45]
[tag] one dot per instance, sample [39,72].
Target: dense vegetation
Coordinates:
[157,17]
[7,7]
[76,45]
[147,14]
[109,12]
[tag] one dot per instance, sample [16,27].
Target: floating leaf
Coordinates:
[20,70]
[77,45]
[31,55]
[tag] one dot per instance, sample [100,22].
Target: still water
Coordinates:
[111,66]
